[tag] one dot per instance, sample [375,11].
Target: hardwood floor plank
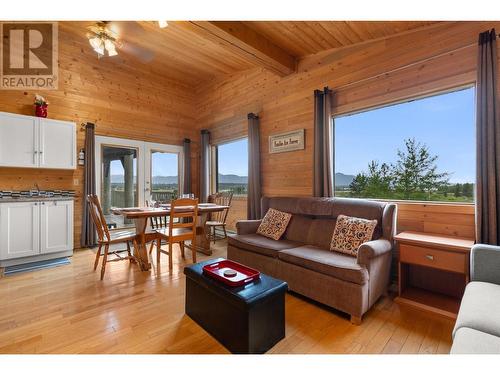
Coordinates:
[69,310]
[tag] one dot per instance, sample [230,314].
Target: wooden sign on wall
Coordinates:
[284,142]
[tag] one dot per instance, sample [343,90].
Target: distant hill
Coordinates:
[343,179]
[168,180]
[165,180]
[232,179]
[117,179]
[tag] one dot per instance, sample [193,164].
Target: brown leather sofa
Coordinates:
[302,257]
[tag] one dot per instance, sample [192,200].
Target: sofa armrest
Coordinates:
[247,226]
[485,263]
[373,249]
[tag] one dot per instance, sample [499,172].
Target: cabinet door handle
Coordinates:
[36,204]
[430,257]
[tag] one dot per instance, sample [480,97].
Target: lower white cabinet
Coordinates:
[56,226]
[19,229]
[35,228]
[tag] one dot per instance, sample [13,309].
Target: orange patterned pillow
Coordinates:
[274,224]
[350,233]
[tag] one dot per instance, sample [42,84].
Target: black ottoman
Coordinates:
[247,319]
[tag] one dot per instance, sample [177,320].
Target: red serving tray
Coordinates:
[243,276]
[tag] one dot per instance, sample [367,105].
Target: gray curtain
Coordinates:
[323,155]
[488,143]
[204,165]
[187,166]
[254,187]
[88,237]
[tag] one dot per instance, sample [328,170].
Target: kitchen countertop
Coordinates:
[36,199]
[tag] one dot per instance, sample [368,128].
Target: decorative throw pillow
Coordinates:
[274,224]
[350,233]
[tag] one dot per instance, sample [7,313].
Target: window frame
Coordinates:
[403,100]
[214,163]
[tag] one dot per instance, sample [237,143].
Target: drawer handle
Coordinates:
[430,257]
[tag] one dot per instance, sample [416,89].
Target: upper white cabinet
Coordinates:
[18,140]
[33,142]
[57,144]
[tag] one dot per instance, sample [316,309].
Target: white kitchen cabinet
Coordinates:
[35,229]
[34,142]
[56,226]
[57,144]
[18,140]
[19,229]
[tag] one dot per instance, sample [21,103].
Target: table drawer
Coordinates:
[441,259]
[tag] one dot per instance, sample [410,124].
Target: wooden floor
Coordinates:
[69,310]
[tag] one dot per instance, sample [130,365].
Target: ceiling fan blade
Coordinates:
[144,55]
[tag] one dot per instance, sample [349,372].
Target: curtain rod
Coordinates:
[405,66]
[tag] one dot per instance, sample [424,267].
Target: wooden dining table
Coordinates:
[141,215]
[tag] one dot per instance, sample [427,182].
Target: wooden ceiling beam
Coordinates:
[245,42]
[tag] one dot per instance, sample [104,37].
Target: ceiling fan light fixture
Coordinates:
[162,24]
[110,47]
[97,44]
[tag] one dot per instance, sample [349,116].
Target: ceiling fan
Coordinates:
[107,38]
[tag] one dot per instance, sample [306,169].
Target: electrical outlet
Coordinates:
[76,181]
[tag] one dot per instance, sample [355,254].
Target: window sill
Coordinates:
[414,202]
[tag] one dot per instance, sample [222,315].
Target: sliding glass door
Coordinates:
[130,173]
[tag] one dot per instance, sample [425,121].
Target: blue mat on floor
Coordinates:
[35,266]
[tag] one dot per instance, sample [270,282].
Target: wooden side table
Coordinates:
[433,271]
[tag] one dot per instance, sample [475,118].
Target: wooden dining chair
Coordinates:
[107,237]
[217,220]
[156,222]
[181,227]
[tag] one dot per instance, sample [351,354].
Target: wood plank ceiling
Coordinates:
[194,52]
[302,38]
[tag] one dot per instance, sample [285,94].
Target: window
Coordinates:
[164,176]
[231,162]
[418,150]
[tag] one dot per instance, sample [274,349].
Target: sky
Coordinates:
[445,123]
[163,164]
[233,157]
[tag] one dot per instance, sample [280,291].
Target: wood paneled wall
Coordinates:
[122,100]
[362,76]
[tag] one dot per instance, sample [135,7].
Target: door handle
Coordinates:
[430,257]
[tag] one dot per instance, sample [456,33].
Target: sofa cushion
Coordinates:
[298,228]
[321,232]
[350,232]
[338,265]
[274,224]
[260,244]
[480,308]
[471,341]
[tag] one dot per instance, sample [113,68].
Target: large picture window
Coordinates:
[418,150]
[232,167]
